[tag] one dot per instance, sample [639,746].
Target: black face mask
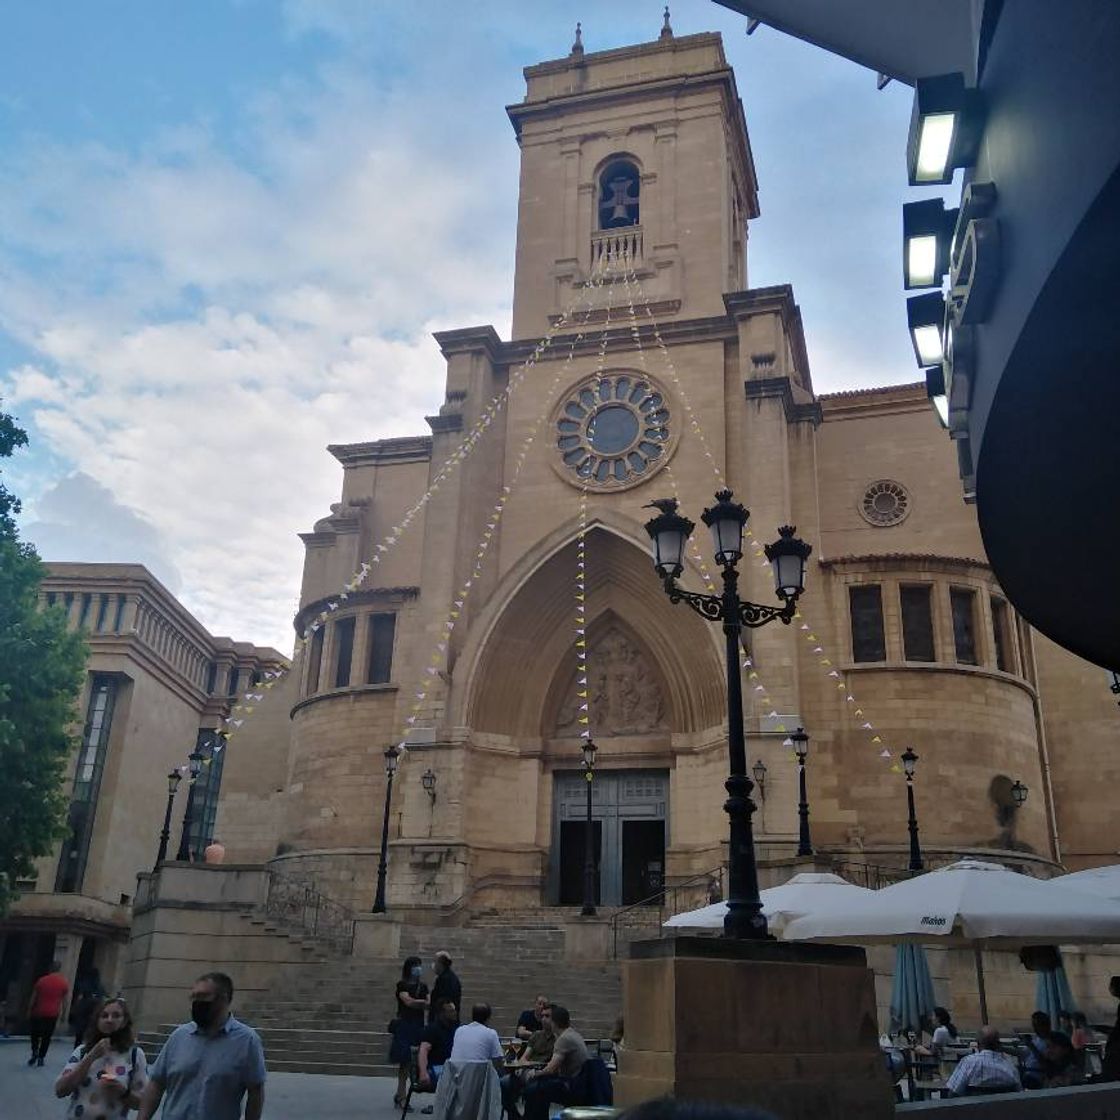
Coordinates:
[202,1012]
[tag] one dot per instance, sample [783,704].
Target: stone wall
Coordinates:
[192,919]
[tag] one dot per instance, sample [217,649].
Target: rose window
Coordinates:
[613,430]
[885,503]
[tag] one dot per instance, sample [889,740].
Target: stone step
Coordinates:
[337,1069]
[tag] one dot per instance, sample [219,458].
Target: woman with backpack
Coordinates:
[107,1073]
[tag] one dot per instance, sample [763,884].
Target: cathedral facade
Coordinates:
[483,595]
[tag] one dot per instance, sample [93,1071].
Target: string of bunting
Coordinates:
[584,708]
[438,655]
[760,694]
[229,725]
[758,551]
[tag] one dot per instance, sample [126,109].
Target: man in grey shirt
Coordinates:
[209,1064]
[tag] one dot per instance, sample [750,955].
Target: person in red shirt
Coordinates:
[46,1003]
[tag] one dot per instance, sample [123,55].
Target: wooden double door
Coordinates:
[629,824]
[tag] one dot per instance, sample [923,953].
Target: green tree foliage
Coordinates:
[41,672]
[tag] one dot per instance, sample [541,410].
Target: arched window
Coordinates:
[619,187]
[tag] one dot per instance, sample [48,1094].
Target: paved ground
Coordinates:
[28,1093]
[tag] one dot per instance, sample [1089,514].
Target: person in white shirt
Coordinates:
[477,1042]
[986,1071]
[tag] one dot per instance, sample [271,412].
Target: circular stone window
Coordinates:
[612,431]
[885,503]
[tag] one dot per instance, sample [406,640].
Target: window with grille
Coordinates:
[868,638]
[87,783]
[208,785]
[917,622]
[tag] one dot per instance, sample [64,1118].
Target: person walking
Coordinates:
[208,1065]
[446,988]
[42,1012]
[107,1072]
[408,1023]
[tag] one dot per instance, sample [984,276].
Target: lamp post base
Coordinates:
[808,1049]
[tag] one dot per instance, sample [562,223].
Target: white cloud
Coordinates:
[78,517]
[203,325]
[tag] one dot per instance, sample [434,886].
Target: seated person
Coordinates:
[476,1041]
[536,1051]
[1063,1062]
[554,1082]
[435,1045]
[1050,1056]
[1083,1035]
[988,1070]
[530,1021]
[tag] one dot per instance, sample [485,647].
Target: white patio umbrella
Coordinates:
[1104,882]
[810,892]
[967,903]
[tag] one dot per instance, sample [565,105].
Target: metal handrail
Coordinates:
[659,897]
[299,904]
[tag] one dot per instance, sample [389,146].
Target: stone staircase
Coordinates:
[328,1014]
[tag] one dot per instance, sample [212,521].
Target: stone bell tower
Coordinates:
[638,154]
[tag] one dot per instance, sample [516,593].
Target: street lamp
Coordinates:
[1019,793]
[669,532]
[909,762]
[173,780]
[801,748]
[428,781]
[588,910]
[759,771]
[392,758]
[194,763]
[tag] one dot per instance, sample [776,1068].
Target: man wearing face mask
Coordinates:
[208,1065]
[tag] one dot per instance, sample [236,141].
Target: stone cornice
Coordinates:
[371,595]
[468,340]
[350,692]
[776,299]
[782,388]
[884,401]
[450,422]
[402,449]
[894,559]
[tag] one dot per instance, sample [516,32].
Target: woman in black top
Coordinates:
[412,1001]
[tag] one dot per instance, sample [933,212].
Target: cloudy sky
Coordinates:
[228,229]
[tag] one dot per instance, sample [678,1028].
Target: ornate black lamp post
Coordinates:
[909,762]
[726,519]
[173,780]
[392,758]
[588,910]
[194,762]
[801,748]
[428,781]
